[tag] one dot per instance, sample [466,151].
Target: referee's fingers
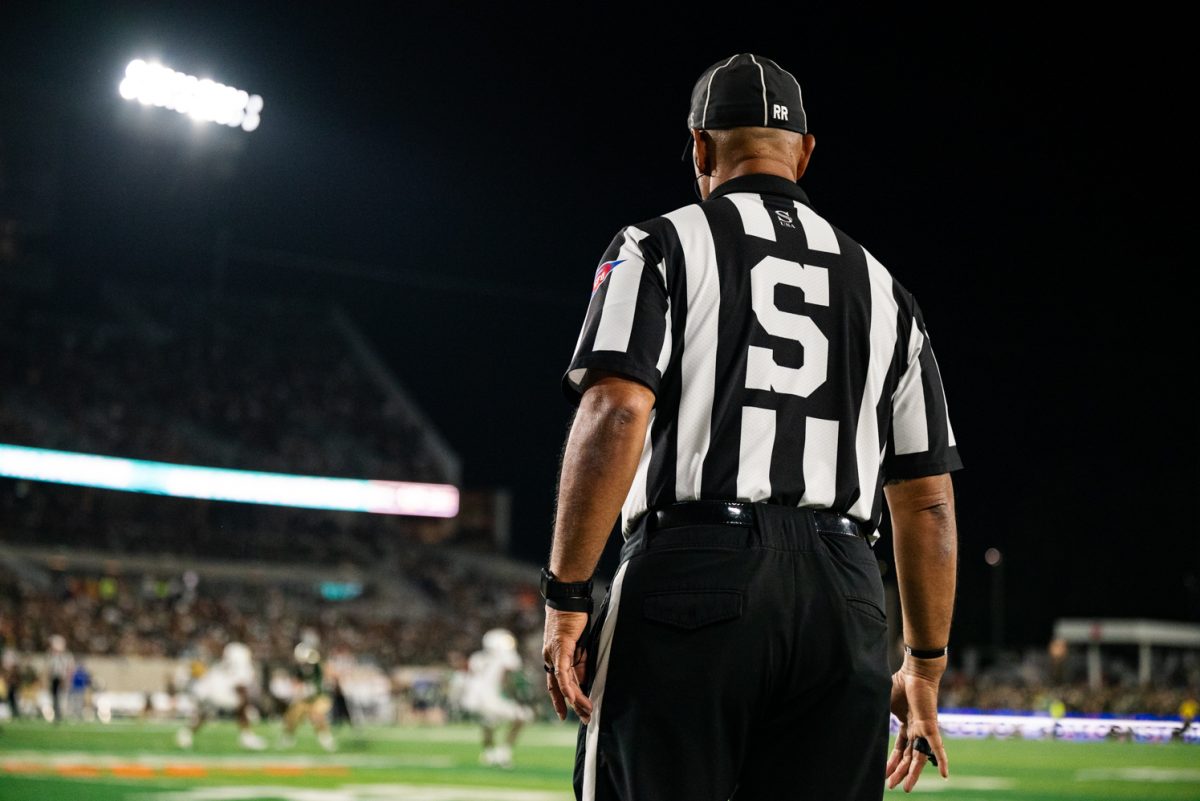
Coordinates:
[939,751]
[897,751]
[568,685]
[918,758]
[900,770]
[556,698]
[915,766]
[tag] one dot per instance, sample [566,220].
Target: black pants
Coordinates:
[56,697]
[745,663]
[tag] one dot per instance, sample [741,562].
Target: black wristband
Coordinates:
[570,604]
[926,653]
[567,596]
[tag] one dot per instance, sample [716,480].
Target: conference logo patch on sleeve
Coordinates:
[602,272]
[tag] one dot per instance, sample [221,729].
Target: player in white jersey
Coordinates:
[224,687]
[483,695]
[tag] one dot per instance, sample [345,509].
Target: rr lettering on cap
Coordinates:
[780,112]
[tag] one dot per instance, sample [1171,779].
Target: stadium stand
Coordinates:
[996,689]
[263,384]
[274,385]
[146,607]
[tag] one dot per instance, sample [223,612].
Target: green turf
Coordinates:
[441,764]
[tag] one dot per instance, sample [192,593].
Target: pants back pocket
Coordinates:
[692,609]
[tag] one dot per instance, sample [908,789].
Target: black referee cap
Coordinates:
[747,90]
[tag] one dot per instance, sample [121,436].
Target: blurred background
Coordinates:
[366,255]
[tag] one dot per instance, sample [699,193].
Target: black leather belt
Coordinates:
[736,513]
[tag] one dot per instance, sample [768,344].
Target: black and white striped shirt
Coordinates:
[788,365]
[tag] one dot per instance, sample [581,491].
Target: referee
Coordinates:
[751,384]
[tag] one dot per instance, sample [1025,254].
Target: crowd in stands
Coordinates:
[269,385]
[261,385]
[193,617]
[1121,698]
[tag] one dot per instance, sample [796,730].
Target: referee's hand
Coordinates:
[914,702]
[563,630]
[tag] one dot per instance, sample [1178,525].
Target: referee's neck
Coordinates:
[754,166]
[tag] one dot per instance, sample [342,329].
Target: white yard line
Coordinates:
[933,783]
[359,792]
[1140,774]
[564,735]
[161,759]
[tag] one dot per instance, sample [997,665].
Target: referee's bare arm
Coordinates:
[925,539]
[599,462]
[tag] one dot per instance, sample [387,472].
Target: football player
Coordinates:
[310,701]
[483,695]
[224,688]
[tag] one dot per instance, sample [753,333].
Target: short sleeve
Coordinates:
[627,328]
[921,440]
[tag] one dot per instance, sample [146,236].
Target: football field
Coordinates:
[80,762]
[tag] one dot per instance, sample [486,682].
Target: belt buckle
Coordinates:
[739,513]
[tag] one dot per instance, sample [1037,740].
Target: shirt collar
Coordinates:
[760,182]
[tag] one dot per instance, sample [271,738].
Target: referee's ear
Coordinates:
[806,148]
[702,153]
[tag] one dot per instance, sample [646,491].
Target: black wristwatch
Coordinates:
[566,596]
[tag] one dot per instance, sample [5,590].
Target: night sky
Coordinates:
[1021,176]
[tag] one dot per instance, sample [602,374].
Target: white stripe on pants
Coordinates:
[603,648]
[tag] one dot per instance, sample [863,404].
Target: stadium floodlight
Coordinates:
[217,484]
[152,84]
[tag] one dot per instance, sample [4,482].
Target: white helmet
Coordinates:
[237,654]
[499,640]
[306,654]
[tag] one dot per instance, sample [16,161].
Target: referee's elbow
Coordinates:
[619,399]
[928,495]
